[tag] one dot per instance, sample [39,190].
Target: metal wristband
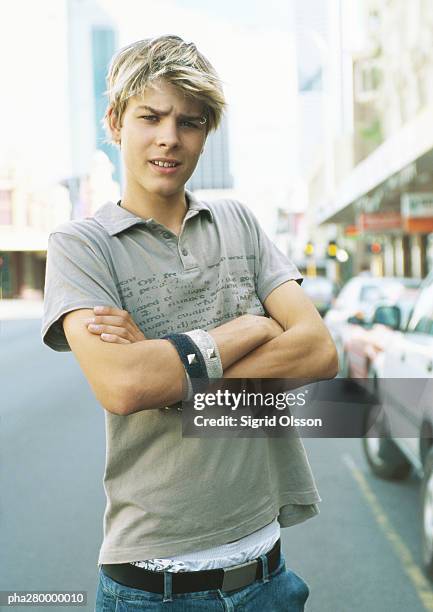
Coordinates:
[189,395]
[189,389]
[192,360]
[209,351]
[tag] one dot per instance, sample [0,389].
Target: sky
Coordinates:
[34,86]
[250,44]
[273,14]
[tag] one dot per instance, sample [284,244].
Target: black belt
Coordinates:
[227,579]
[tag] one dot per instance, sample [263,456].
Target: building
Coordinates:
[92,41]
[324,43]
[27,214]
[50,170]
[34,155]
[213,168]
[383,208]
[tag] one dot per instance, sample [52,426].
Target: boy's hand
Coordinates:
[114,325]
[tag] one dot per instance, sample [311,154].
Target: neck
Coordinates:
[168,210]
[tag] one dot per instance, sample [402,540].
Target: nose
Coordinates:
[167,133]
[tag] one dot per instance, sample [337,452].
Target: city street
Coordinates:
[362,553]
[153,174]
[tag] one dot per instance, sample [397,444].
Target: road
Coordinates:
[361,554]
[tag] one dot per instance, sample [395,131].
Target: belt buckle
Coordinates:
[239,576]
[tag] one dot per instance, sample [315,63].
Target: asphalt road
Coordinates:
[361,554]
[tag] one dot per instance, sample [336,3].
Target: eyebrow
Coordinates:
[164,113]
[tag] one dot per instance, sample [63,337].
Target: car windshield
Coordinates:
[386,290]
[371,293]
[368,291]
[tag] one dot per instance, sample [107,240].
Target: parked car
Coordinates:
[370,336]
[359,297]
[404,422]
[321,291]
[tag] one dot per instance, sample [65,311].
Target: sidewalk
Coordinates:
[20,309]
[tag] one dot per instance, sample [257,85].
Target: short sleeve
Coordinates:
[272,267]
[76,277]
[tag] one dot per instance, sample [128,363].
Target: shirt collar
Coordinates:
[114,219]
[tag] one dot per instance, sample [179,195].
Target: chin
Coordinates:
[165,190]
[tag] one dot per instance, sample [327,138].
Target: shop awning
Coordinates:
[406,146]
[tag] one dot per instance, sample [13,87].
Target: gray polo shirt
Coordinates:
[168,495]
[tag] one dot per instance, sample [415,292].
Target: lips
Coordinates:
[161,162]
[163,169]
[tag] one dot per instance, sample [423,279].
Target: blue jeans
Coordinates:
[280,591]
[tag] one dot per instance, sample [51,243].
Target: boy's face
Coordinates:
[169,128]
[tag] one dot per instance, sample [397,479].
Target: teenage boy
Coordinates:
[189,290]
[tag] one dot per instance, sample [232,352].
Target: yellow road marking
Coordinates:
[420,582]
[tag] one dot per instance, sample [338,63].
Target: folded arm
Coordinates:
[130,377]
[145,374]
[305,349]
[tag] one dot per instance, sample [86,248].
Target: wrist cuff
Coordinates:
[192,360]
[209,351]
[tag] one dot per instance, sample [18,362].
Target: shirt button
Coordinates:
[185,252]
[166,235]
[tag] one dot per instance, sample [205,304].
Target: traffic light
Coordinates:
[309,249]
[332,249]
[375,248]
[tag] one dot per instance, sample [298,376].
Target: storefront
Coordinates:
[22,263]
[384,208]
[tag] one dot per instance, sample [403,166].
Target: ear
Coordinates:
[114,124]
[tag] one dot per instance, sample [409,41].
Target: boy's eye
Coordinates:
[189,124]
[152,119]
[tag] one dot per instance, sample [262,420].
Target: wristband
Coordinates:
[192,360]
[187,398]
[209,351]
[189,389]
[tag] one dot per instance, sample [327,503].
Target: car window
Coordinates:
[423,326]
[370,293]
[422,316]
[406,310]
[348,294]
[388,289]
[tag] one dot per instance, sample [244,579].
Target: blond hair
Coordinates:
[142,63]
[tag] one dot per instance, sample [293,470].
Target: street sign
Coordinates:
[378,222]
[417,205]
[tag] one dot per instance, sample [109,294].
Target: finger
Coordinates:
[116,321]
[117,318]
[134,332]
[114,339]
[122,319]
[109,310]
[108,329]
